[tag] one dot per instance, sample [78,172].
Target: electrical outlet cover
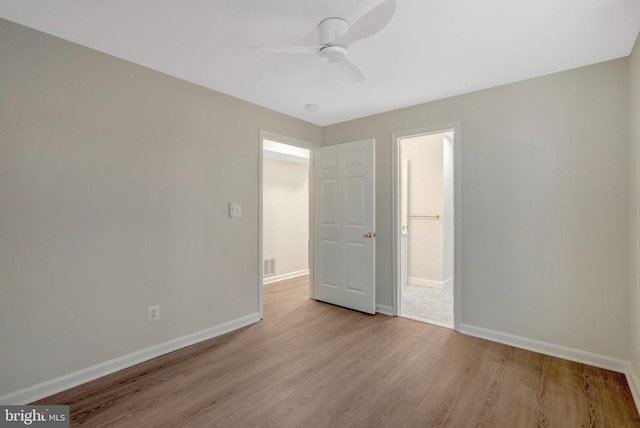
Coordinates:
[235,210]
[153,313]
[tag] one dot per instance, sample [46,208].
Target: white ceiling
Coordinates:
[431,49]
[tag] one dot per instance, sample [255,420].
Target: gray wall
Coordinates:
[545,213]
[115,179]
[114,185]
[634,139]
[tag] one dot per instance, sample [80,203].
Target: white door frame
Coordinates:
[292,142]
[457,212]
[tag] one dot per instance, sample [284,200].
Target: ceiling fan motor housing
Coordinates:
[331,30]
[333,53]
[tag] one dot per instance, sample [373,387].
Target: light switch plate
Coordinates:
[235,210]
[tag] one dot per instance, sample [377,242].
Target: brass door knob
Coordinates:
[368,235]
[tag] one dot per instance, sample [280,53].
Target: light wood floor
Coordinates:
[309,364]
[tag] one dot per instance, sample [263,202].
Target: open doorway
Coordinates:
[284,210]
[424,223]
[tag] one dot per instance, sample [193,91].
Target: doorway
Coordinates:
[341,200]
[284,210]
[285,216]
[424,222]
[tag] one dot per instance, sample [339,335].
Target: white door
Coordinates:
[344,244]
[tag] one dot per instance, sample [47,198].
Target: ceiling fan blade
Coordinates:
[287,49]
[369,24]
[351,71]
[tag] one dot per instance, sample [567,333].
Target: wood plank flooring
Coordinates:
[309,364]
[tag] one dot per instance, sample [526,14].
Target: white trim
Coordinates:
[422,282]
[384,310]
[602,361]
[283,276]
[634,384]
[311,220]
[457,213]
[261,137]
[62,383]
[559,351]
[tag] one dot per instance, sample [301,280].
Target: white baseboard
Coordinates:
[576,355]
[45,389]
[602,361]
[421,282]
[283,276]
[385,310]
[53,386]
[634,384]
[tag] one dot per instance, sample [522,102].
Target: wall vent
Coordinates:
[269,266]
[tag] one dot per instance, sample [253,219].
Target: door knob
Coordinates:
[368,235]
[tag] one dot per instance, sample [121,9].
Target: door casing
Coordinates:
[457,214]
[266,135]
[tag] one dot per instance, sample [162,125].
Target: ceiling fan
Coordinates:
[335,36]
